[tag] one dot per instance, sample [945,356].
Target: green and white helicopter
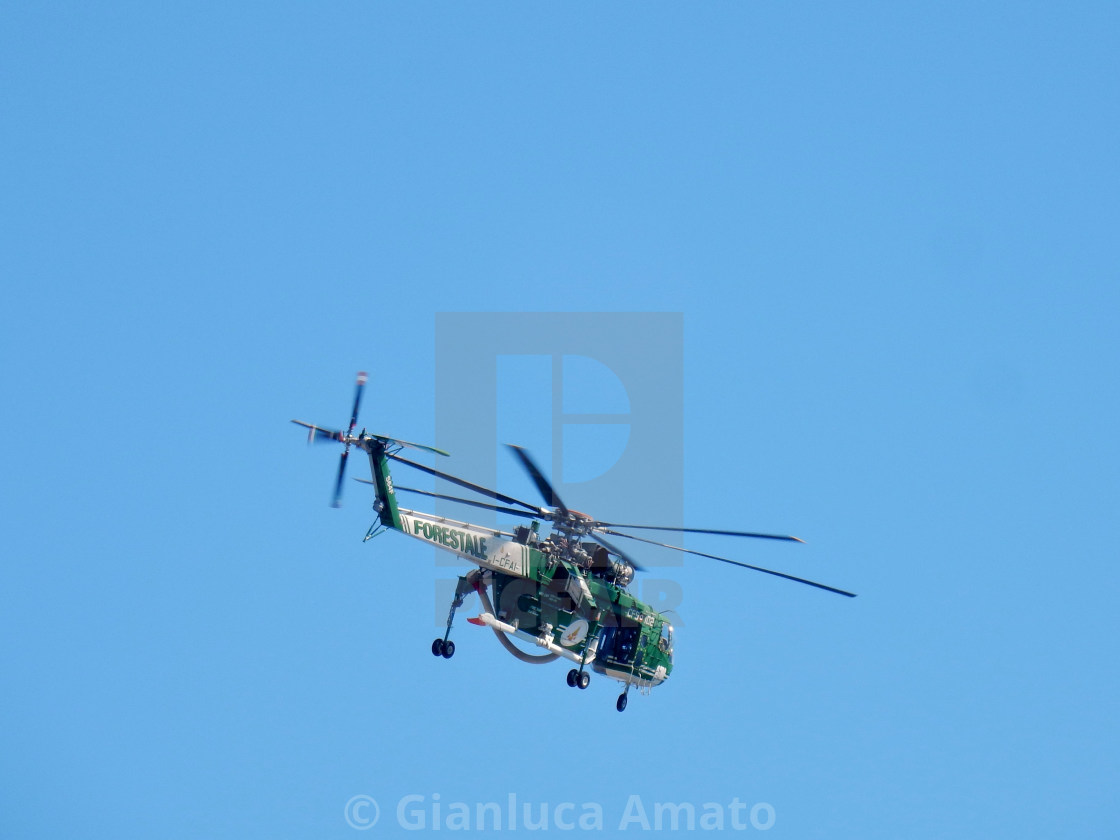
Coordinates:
[565,593]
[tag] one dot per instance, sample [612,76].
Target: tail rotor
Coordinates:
[358,388]
[317,434]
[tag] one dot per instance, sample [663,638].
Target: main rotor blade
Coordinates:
[734,563]
[546,490]
[341,474]
[702,531]
[357,401]
[317,434]
[483,505]
[493,494]
[615,550]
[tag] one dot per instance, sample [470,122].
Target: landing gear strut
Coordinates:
[579,677]
[445,647]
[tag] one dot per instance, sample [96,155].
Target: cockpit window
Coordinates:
[666,640]
[619,643]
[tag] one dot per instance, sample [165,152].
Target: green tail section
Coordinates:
[383,482]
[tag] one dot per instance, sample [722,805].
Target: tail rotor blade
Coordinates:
[317,434]
[357,401]
[337,502]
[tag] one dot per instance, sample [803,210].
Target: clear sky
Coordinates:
[890,229]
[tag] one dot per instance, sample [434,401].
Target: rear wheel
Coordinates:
[621,703]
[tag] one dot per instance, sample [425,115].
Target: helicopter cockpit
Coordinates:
[619,644]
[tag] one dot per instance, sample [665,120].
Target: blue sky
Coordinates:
[890,229]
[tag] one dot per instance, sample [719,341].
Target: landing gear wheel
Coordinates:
[583,680]
[437,647]
[448,649]
[620,704]
[573,675]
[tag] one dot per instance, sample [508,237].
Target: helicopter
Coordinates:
[566,592]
